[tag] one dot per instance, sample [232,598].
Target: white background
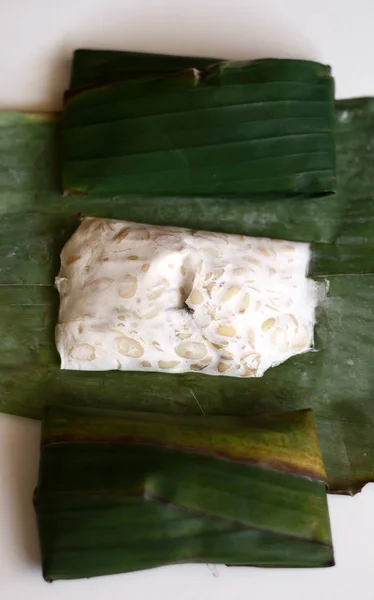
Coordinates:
[36,41]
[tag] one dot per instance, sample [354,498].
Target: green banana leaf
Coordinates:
[262,128]
[97,67]
[127,491]
[337,381]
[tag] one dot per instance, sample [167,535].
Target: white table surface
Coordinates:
[36,41]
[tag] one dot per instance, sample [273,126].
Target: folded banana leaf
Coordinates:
[262,128]
[97,67]
[127,491]
[337,381]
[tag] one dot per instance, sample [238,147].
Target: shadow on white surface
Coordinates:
[18,479]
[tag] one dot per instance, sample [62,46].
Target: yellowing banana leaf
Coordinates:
[127,491]
[239,129]
[337,381]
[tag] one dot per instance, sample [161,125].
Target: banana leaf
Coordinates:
[127,491]
[262,128]
[337,381]
[97,67]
